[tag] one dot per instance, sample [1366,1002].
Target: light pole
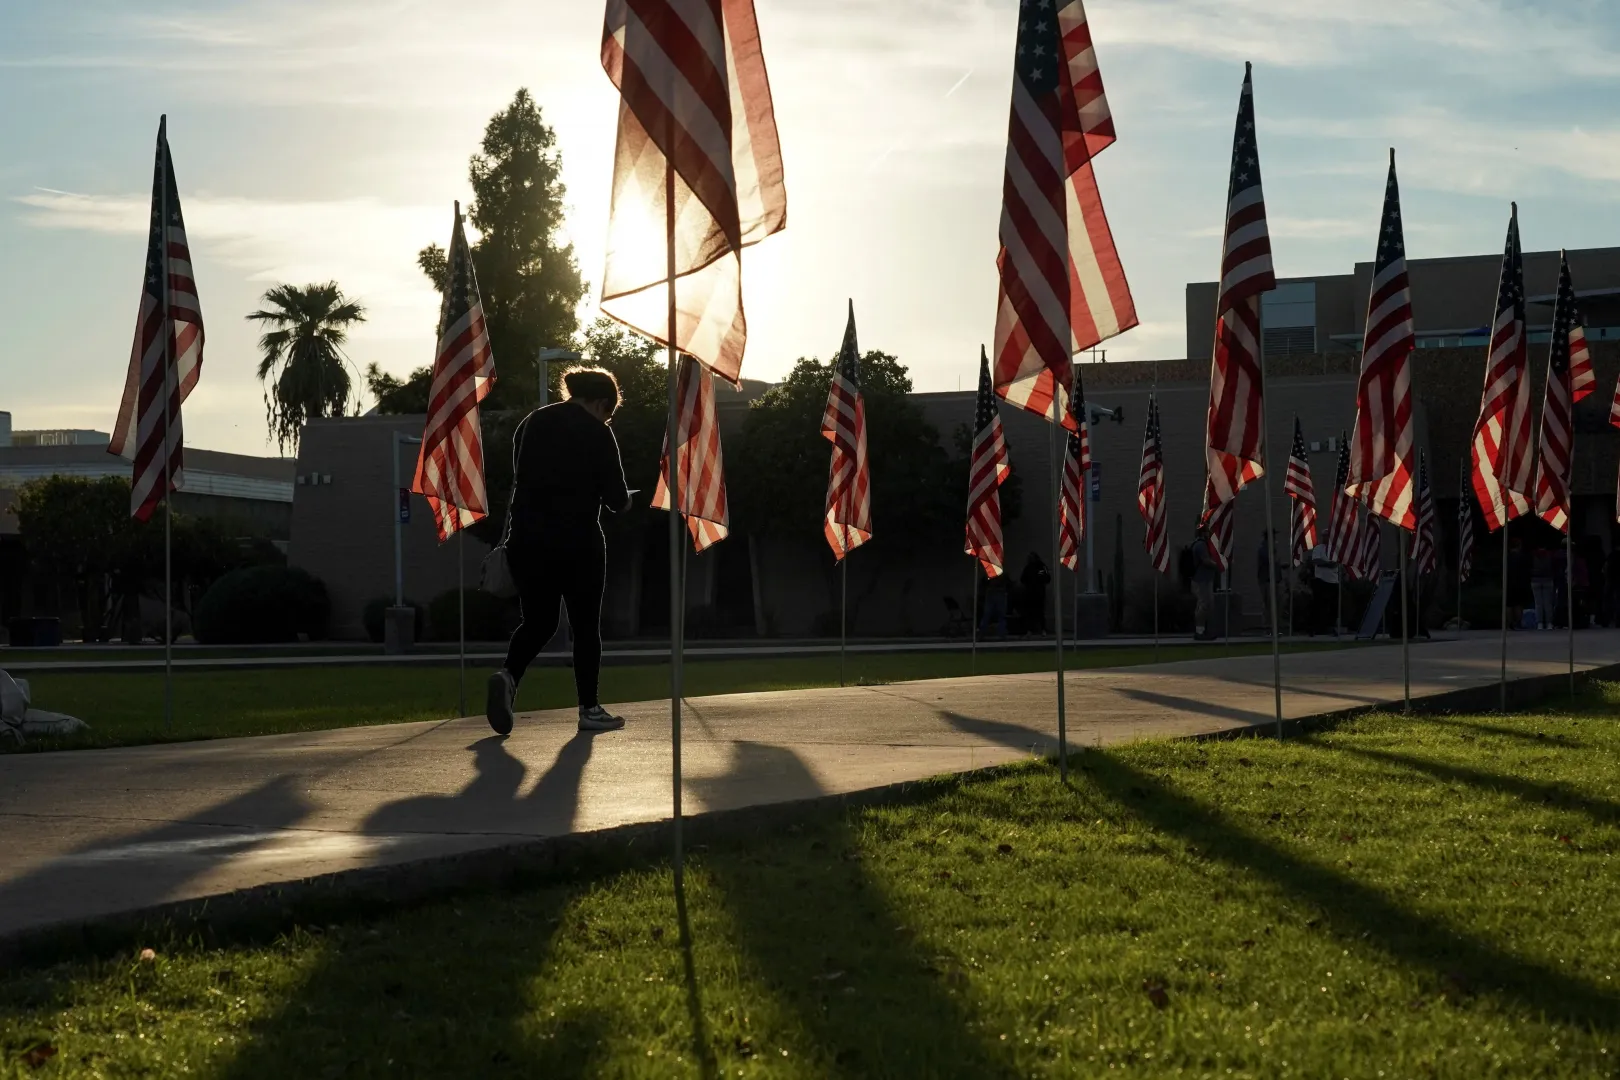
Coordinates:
[542,368]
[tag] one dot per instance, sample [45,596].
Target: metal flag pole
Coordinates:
[1057,592]
[973,622]
[168,448]
[676,645]
[1569,589]
[1462,508]
[461,609]
[843,612]
[1406,643]
[1271,554]
[1503,689]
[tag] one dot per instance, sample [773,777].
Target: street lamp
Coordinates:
[542,363]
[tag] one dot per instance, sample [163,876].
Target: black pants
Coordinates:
[549,573]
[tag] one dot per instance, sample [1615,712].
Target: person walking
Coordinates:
[565,468]
[1034,579]
[1542,586]
[995,607]
[1204,576]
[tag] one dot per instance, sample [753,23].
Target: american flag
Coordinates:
[1368,560]
[702,480]
[693,93]
[1150,492]
[1426,546]
[987,468]
[1502,467]
[1062,286]
[1344,529]
[166,359]
[1297,484]
[1381,454]
[1076,469]
[848,523]
[1236,419]
[1557,434]
[450,466]
[1465,531]
[1614,421]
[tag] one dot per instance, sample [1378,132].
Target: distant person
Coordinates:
[1205,573]
[565,468]
[1542,586]
[1034,579]
[1263,575]
[1520,592]
[1324,592]
[995,606]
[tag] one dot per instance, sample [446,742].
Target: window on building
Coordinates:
[1288,319]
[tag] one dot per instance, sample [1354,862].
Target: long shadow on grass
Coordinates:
[1601,811]
[441,993]
[1503,732]
[1410,936]
[828,943]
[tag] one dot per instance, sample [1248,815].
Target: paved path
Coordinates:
[94,832]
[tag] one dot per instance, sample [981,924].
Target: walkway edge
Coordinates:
[262,911]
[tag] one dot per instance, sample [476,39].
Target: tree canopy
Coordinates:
[303,369]
[527,274]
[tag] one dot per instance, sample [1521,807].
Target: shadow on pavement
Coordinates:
[821,935]
[149,868]
[1191,705]
[1350,905]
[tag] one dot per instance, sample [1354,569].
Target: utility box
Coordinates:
[399,630]
[1091,615]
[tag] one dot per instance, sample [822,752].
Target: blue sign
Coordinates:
[404,506]
[1096,482]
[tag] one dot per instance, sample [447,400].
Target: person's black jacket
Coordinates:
[565,468]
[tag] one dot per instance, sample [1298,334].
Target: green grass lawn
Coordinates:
[1428,897]
[125,708]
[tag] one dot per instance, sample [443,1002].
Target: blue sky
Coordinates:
[328,140]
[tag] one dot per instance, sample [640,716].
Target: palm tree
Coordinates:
[304,371]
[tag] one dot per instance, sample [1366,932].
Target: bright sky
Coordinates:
[318,139]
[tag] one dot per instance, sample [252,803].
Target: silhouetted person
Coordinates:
[565,468]
[995,606]
[1034,579]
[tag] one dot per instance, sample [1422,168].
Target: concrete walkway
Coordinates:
[95,832]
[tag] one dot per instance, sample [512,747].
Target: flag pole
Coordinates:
[676,645]
[1503,686]
[461,608]
[843,612]
[1057,591]
[1406,643]
[973,622]
[168,448]
[1271,556]
[1569,586]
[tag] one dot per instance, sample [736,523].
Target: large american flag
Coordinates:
[1076,470]
[1465,531]
[848,523]
[1297,484]
[693,93]
[1614,421]
[1381,447]
[1150,491]
[1344,530]
[1426,546]
[1062,286]
[166,359]
[450,466]
[987,468]
[1236,419]
[1557,403]
[702,476]
[1502,468]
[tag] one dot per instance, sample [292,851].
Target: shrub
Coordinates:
[263,605]
[371,617]
[489,618]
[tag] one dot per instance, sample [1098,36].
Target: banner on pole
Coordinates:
[404,506]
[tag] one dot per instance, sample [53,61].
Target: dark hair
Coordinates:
[591,384]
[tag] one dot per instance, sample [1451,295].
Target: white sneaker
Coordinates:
[498,702]
[597,718]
